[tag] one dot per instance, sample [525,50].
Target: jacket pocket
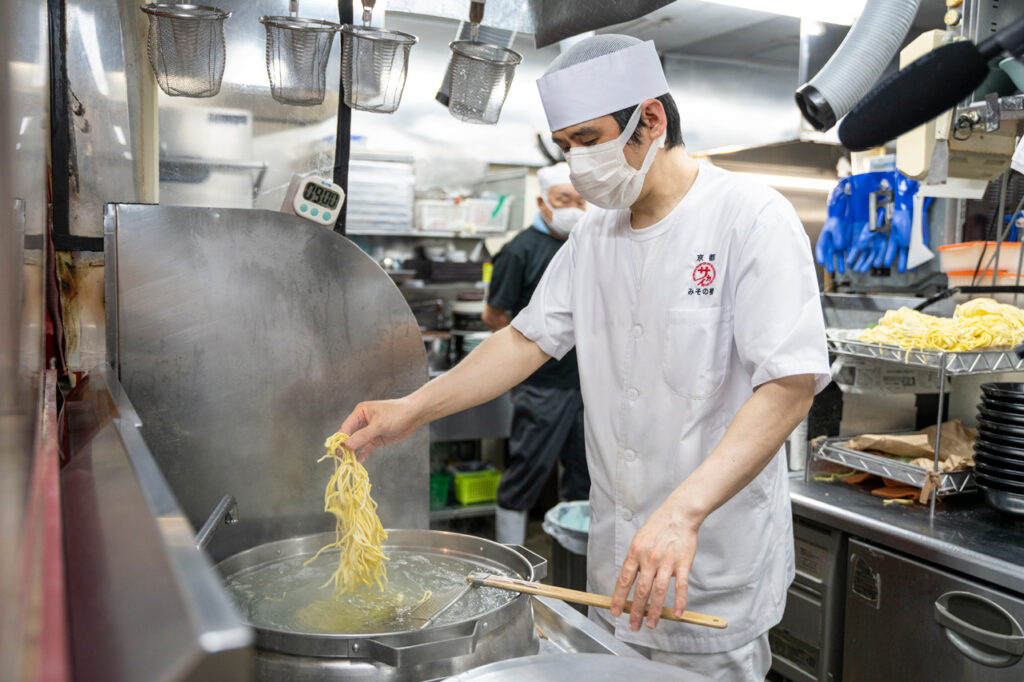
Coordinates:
[697,351]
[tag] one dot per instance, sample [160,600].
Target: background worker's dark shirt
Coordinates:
[517,270]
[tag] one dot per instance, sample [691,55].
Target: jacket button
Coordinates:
[630,455]
[637,331]
[627,515]
[632,394]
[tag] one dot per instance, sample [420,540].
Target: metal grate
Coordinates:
[950,482]
[481,75]
[186,48]
[297,54]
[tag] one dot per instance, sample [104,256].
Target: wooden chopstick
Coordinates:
[587,598]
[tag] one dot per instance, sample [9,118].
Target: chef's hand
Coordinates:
[378,423]
[663,548]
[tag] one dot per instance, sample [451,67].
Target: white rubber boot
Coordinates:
[510,526]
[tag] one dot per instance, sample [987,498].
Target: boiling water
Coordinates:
[285,595]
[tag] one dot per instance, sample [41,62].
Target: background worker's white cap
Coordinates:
[598,76]
[552,176]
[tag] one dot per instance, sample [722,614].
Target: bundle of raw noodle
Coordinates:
[979,323]
[358,532]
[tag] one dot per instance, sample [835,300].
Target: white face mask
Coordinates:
[601,173]
[562,219]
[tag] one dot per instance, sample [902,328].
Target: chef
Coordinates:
[692,303]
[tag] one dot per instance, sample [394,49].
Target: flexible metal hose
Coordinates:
[857,64]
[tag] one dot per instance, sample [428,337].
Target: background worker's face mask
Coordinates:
[562,219]
[603,176]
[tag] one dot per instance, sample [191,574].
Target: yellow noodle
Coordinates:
[358,533]
[979,323]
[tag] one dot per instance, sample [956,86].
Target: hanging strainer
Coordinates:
[186,48]
[481,75]
[297,54]
[374,63]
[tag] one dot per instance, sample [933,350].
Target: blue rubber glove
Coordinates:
[867,248]
[899,239]
[830,251]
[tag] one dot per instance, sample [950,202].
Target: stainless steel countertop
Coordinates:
[965,535]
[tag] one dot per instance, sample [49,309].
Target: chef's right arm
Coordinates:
[496,365]
[504,360]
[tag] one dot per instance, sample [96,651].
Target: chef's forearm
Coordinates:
[502,361]
[755,435]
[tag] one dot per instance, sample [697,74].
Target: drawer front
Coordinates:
[904,617]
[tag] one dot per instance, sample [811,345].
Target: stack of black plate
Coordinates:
[999,447]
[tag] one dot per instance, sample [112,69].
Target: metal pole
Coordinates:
[1003,182]
[938,428]
[343,134]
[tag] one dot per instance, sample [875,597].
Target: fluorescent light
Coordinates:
[119,134]
[25,120]
[797,182]
[843,12]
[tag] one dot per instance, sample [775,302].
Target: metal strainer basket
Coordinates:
[374,63]
[186,48]
[297,54]
[481,76]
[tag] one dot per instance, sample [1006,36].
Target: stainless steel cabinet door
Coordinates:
[908,620]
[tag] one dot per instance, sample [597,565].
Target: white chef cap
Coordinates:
[552,176]
[598,76]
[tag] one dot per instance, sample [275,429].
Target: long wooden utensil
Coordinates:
[587,598]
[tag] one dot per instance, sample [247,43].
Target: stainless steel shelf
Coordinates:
[951,482]
[957,363]
[444,234]
[463,511]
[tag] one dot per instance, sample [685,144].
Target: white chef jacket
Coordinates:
[728,302]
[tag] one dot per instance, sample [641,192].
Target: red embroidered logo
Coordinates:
[704,274]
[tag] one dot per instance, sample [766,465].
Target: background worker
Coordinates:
[547,407]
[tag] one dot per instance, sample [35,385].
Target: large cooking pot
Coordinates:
[437,651]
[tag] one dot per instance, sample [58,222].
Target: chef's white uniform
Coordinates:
[728,301]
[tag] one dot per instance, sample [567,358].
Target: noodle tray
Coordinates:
[844,342]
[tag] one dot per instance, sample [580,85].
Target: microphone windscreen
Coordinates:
[914,95]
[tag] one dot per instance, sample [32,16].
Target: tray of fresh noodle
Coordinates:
[978,338]
[950,482]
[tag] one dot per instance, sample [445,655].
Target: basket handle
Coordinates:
[368,11]
[293,7]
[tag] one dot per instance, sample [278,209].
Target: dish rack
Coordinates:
[945,364]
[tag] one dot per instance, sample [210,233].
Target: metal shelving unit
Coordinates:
[950,482]
[946,364]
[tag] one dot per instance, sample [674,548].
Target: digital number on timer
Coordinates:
[321,195]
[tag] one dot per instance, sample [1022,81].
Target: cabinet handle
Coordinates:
[992,649]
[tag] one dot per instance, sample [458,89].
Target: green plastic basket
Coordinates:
[440,486]
[476,487]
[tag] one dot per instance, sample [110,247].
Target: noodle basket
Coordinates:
[297,54]
[481,75]
[186,48]
[500,630]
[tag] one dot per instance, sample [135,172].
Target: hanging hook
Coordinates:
[293,7]
[368,11]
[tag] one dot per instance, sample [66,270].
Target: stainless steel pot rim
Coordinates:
[502,56]
[358,645]
[301,24]
[173,11]
[372,33]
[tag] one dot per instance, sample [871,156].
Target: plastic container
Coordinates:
[487,214]
[440,488]
[441,215]
[964,278]
[475,487]
[964,256]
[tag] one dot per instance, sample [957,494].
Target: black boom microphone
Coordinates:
[926,88]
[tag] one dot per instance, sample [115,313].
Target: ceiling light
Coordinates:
[843,12]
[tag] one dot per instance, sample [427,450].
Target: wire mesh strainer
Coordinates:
[297,54]
[186,48]
[374,63]
[481,76]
